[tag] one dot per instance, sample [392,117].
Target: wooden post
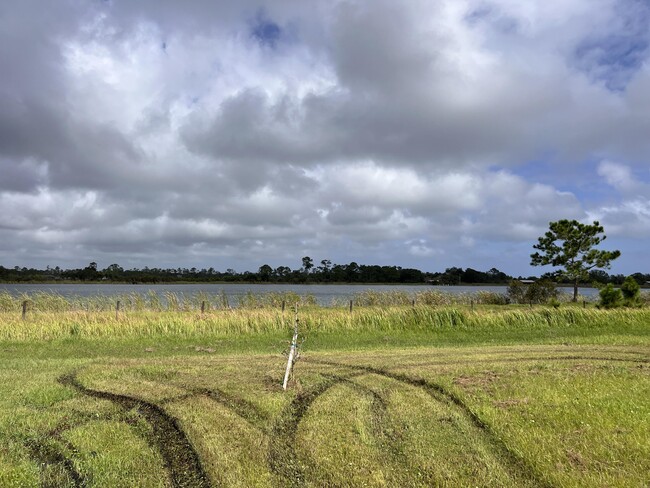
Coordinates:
[292,352]
[584,304]
[413,303]
[284,304]
[471,303]
[117,310]
[24,309]
[350,306]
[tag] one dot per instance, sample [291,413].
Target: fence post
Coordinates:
[471,303]
[584,303]
[202,307]
[117,310]
[284,304]
[292,352]
[350,306]
[24,309]
[413,303]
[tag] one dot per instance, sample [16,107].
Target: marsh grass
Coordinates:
[52,318]
[180,302]
[151,301]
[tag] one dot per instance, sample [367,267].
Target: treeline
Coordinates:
[309,272]
[601,277]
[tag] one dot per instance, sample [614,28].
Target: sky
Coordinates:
[231,134]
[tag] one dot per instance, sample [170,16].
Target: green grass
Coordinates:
[55,324]
[385,396]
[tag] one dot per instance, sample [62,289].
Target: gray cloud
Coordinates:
[230,134]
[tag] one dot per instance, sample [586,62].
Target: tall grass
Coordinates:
[150,301]
[183,318]
[180,302]
[437,298]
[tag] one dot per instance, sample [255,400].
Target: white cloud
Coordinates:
[621,178]
[628,215]
[147,130]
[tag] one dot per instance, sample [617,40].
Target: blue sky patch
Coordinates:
[612,60]
[613,57]
[581,179]
[266,32]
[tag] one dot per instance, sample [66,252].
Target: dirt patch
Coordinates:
[482,380]
[576,460]
[512,402]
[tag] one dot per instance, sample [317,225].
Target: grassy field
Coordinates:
[389,396]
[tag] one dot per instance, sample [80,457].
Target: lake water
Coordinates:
[324,294]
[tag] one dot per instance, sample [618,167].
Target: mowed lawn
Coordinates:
[569,410]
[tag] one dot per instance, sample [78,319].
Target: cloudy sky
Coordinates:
[424,133]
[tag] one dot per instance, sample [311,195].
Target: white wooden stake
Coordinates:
[292,351]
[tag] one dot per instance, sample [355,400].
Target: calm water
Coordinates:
[324,294]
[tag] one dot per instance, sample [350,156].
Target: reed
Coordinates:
[149,301]
[55,317]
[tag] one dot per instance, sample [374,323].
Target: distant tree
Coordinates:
[324,269]
[352,272]
[89,272]
[265,272]
[599,276]
[410,275]
[473,276]
[496,276]
[307,263]
[570,245]
[451,276]
[113,272]
[282,272]
[640,278]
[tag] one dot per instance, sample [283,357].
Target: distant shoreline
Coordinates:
[270,283]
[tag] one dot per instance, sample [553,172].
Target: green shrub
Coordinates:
[631,292]
[610,297]
[644,298]
[542,291]
[485,297]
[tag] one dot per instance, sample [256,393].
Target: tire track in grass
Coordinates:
[378,411]
[49,455]
[388,438]
[244,409]
[517,464]
[181,460]
[282,458]
[460,362]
